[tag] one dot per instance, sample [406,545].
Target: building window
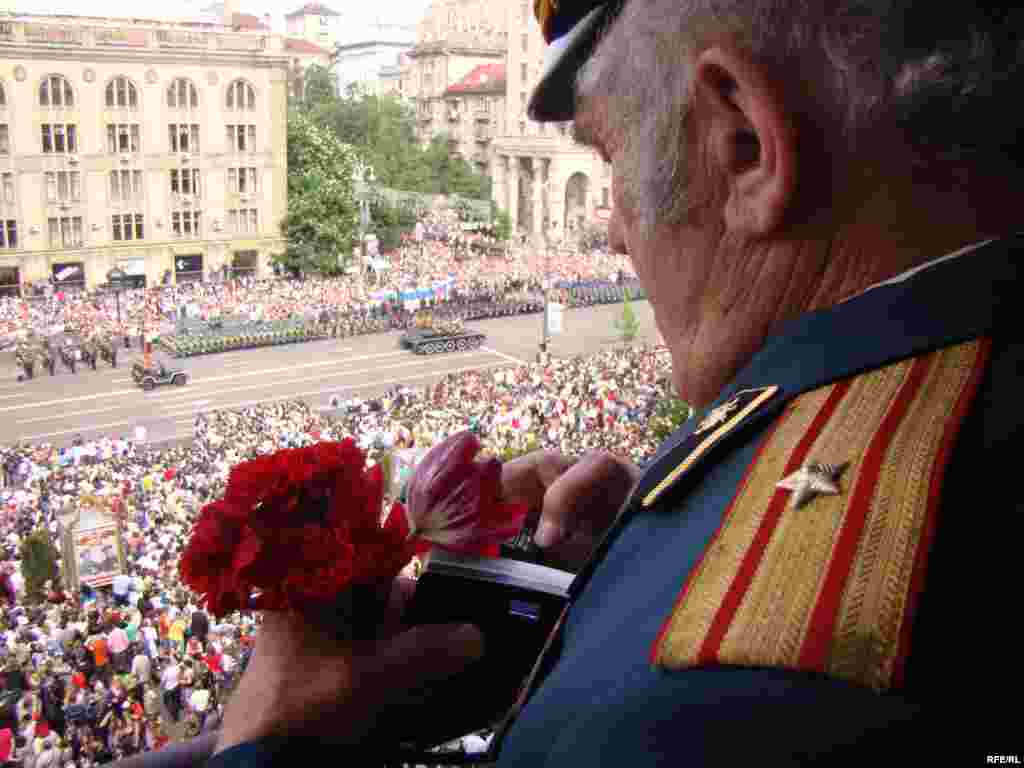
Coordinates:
[604,197]
[184,137]
[241,138]
[185,224]
[122,94]
[243,221]
[8,188]
[3,96]
[8,234]
[59,138]
[5,140]
[522,72]
[525,41]
[123,137]
[522,101]
[55,91]
[63,186]
[65,231]
[242,180]
[127,226]
[125,186]
[182,94]
[185,181]
[522,127]
[241,95]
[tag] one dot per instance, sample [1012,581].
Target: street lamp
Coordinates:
[116,277]
[542,357]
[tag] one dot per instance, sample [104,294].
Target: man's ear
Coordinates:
[749,137]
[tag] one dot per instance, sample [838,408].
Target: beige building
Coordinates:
[155,147]
[551,187]
[475,114]
[314,23]
[454,38]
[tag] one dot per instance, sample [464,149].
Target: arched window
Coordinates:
[55,91]
[182,94]
[241,95]
[122,94]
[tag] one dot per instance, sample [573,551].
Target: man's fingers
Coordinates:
[527,478]
[425,654]
[586,497]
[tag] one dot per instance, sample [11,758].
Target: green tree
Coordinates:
[669,415]
[38,564]
[322,212]
[627,326]
[320,88]
[502,225]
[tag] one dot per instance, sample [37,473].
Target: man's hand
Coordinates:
[302,681]
[574,501]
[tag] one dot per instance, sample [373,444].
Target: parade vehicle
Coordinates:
[156,374]
[431,336]
[71,354]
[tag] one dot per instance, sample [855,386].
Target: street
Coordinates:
[91,403]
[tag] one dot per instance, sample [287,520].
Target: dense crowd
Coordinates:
[416,266]
[103,673]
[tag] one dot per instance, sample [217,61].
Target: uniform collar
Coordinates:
[944,302]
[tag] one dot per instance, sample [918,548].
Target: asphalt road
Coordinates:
[56,408]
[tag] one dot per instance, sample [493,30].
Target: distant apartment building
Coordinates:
[454,38]
[315,23]
[367,49]
[551,187]
[155,147]
[475,114]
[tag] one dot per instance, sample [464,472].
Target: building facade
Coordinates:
[454,38]
[156,148]
[552,188]
[315,23]
[475,113]
[368,49]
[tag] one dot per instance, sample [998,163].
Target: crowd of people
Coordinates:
[103,673]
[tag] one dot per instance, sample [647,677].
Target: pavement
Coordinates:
[91,403]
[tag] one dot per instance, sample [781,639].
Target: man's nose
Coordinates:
[616,233]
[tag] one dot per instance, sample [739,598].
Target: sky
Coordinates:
[356,11]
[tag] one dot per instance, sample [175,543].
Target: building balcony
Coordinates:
[482,116]
[454,117]
[482,134]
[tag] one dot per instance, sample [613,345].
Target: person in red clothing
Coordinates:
[6,745]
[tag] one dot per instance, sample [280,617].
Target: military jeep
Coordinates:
[157,374]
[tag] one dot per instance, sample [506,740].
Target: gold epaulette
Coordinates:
[829,585]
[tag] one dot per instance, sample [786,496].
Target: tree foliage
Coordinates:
[382,129]
[322,211]
[627,326]
[502,225]
[669,415]
[38,564]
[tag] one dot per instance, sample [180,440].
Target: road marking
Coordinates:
[8,397]
[515,360]
[74,413]
[44,403]
[316,378]
[332,390]
[90,428]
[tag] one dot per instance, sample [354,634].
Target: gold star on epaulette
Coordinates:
[812,480]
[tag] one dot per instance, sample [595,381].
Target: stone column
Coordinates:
[499,179]
[513,191]
[537,188]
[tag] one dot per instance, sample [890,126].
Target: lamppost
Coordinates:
[542,356]
[115,277]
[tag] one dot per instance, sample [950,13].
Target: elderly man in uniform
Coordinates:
[822,202]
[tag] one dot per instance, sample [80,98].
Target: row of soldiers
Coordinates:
[35,349]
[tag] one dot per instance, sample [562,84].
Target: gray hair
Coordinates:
[947,74]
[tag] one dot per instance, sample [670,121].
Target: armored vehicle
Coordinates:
[430,335]
[158,373]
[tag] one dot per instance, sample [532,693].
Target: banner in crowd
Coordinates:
[96,552]
[438,289]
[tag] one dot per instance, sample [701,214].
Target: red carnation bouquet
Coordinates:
[303,529]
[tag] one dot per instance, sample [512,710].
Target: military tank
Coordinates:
[431,335]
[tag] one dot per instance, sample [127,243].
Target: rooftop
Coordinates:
[312,9]
[298,45]
[484,78]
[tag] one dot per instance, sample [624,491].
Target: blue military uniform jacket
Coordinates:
[724,624]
